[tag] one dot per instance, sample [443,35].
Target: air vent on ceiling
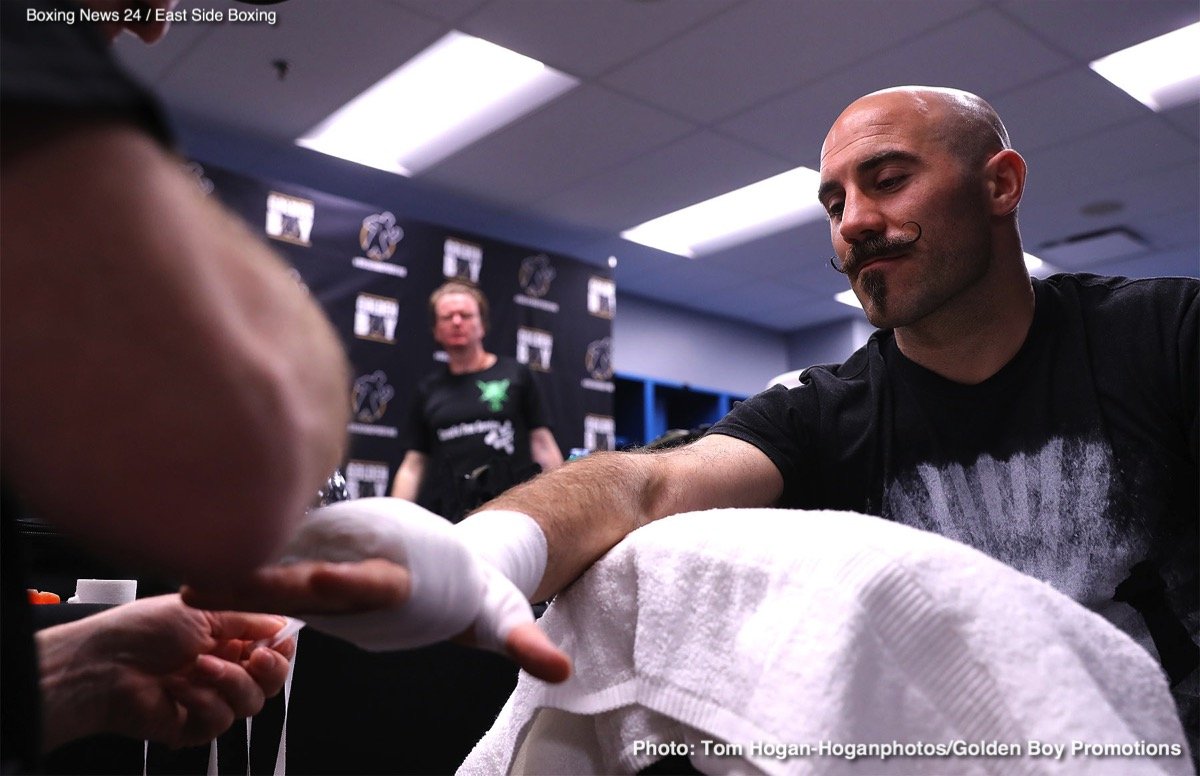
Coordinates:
[1080,251]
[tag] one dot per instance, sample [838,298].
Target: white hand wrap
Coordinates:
[513,548]
[480,571]
[513,542]
[448,583]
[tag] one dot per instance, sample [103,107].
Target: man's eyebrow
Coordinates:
[885,157]
[826,188]
[872,162]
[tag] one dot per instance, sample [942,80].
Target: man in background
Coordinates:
[478,425]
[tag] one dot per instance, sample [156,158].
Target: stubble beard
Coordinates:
[874,285]
[946,276]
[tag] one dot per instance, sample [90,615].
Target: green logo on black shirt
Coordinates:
[494,392]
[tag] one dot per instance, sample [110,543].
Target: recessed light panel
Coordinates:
[1160,73]
[447,97]
[738,216]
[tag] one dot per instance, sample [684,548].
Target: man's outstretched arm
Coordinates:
[475,579]
[587,506]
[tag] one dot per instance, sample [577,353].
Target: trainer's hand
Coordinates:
[386,574]
[156,669]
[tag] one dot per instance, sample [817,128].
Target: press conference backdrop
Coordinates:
[372,271]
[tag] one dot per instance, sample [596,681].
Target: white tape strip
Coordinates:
[511,541]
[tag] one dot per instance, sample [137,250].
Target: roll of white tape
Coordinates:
[104,591]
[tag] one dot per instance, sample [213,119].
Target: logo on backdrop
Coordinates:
[535,276]
[493,393]
[598,363]
[602,297]
[534,347]
[290,218]
[365,479]
[368,401]
[378,238]
[461,259]
[375,318]
[599,432]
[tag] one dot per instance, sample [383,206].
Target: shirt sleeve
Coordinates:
[769,422]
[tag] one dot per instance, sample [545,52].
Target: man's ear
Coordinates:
[1005,177]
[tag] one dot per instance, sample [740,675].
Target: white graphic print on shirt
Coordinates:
[1047,514]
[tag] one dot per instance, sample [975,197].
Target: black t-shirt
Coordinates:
[464,422]
[1074,463]
[50,69]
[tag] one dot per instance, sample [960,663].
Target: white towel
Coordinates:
[773,633]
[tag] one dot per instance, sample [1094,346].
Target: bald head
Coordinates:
[962,122]
[932,162]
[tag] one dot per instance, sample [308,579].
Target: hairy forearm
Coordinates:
[585,508]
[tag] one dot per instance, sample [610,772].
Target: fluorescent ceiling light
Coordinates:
[762,208]
[1160,73]
[447,97]
[1032,263]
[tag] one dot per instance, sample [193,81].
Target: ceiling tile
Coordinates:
[1037,115]
[1186,119]
[445,10]
[795,125]
[973,53]
[980,45]
[236,59]
[1087,29]
[1169,229]
[1119,153]
[681,173]
[580,134]
[798,255]
[708,73]
[587,38]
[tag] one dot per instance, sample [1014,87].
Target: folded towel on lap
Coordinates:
[732,635]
